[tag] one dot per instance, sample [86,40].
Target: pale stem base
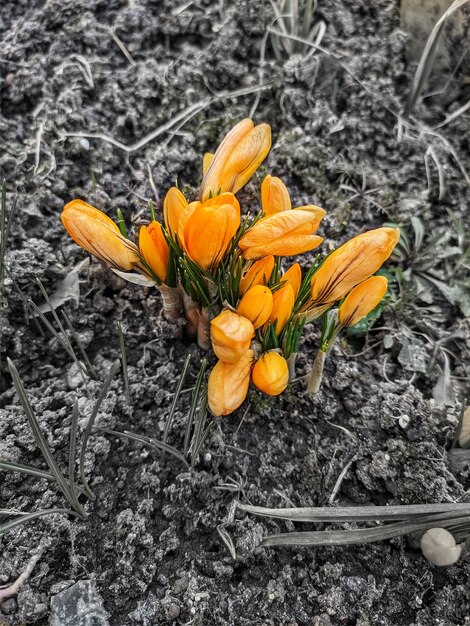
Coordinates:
[171,298]
[203,329]
[315,375]
[291,364]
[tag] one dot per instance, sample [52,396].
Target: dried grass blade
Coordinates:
[194,403]
[148,441]
[31,516]
[39,437]
[359,513]
[72,449]
[356,537]
[428,55]
[89,427]
[179,388]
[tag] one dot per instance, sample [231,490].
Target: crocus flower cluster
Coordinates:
[223,269]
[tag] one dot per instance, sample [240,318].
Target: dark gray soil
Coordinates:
[150,541]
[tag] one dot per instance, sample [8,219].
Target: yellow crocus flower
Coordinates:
[283,234]
[96,233]
[228,384]
[231,335]
[237,158]
[271,373]
[256,305]
[206,229]
[351,264]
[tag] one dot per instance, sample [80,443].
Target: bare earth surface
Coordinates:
[150,542]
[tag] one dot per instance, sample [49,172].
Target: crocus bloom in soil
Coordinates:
[271,373]
[361,300]
[206,229]
[293,276]
[231,335]
[154,249]
[283,234]
[283,305]
[256,305]
[258,274]
[173,206]
[352,263]
[274,196]
[237,158]
[96,233]
[228,384]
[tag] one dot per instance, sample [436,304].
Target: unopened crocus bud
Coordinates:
[231,335]
[258,274]
[174,205]
[361,300]
[271,373]
[352,263]
[96,233]
[228,384]
[439,547]
[237,158]
[256,305]
[154,249]
[283,234]
[293,277]
[283,305]
[274,196]
[206,229]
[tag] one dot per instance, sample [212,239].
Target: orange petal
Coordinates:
[231,335]
[154,248]
[293,277]
[271,235]
[184,221]
[212,177]
[361,300]
[206,162]
[174,205]
[258,274]
[228,384]
[247,157]
[96,233]
[274,196]
[237,158]
[256,305]
[271,373]
[352,263]
[209,231]
[283,305]
[290,246]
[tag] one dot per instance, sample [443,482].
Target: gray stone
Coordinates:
[79,605]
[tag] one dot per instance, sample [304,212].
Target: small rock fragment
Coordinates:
[79,605]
